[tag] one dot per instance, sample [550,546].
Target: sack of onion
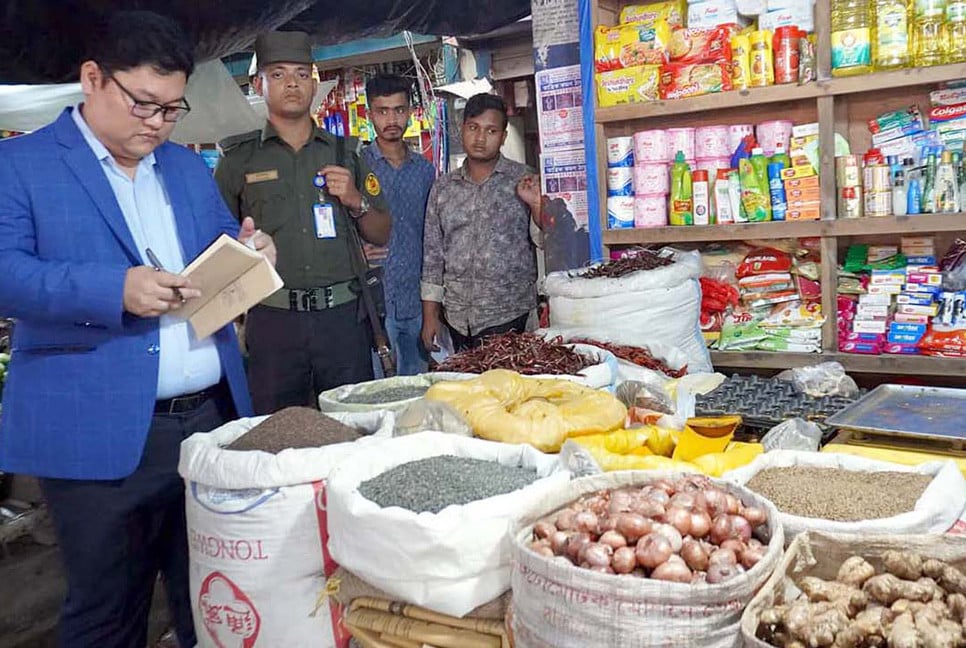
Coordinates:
[398,523]
[641,559]
[838,493]
[256,526]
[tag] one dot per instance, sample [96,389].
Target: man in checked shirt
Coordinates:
[479,266]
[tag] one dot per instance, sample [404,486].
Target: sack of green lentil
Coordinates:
[257,526]
[424,517]
[839,493]
[390,394]
[558,605]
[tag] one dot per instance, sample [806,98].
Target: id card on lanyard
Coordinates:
[322,212]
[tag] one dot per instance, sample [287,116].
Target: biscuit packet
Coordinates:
[633,45]
[680,80]
[701,45]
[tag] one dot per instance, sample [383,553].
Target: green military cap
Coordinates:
[283,47]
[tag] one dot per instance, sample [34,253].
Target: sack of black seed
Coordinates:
[255,507]
[425,517]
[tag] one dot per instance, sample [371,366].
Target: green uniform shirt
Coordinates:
[262,177]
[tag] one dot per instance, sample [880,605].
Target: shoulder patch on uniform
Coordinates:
[231,142]
[372,185]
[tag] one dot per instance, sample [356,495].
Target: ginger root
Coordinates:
[855,571]
[815,624]
[948,577]
[887,589]
[851,599]
[904,564]
[904,633]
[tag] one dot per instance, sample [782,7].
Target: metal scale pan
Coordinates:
[918,418]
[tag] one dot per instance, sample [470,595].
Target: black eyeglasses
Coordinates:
[148,109]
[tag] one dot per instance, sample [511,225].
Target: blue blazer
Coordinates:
[84,373]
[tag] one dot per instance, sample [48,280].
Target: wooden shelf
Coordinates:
[894,79]
[788,229]
[853,362]
[732,99]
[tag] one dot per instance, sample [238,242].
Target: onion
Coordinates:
[586,522]
[653,550]
[542,549]
[558,542]
[620,502]
[576,543]
[680,519]
[607,523]
[692,483]
[694,555]
[543,529]
[673,571]
[751,556]
[565,520]
[700,524]
[603,569]
[740,528]
[720,529]
[683,500]
[754,515]
[597,504]
[656,495]
[673,536]
[664,485]
[720,572]
[716,501]
[722,556]
[595,554]
[732,504]
[624,560]
[699,578]
[633,526]
[755,543]
[613,539]
[648,508]
[735,545]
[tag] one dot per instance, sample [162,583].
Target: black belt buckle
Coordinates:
[182,404]
[329,296]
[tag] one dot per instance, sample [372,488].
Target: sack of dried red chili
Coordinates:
[764,261]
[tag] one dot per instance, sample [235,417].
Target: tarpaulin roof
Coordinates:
[40,40]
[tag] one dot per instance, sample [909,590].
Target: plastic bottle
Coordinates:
[955,31]
[900,200]
[927,203]
[776,190]
[761,59]
[851,37]
[780,156]
[891,47]
[681,212]
[760,164]
[914,197]
[701,196]
[947,185]
[929,18]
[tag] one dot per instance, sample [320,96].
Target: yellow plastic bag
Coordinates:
[503,406]
[611,461]
[662,441]
[705,435]
[737,455]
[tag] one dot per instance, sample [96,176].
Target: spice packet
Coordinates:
[806,60]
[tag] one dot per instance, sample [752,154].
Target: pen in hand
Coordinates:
[157,266]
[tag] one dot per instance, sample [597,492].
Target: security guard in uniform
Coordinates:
[309,336]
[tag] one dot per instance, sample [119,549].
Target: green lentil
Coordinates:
[432,484]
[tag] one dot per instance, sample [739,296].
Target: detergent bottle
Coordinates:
[682,211]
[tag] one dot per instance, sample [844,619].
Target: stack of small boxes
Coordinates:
[894,314]
[801,180]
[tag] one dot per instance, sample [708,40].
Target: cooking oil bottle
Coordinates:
[929,18]
[851,37]
[955,31]
[891,45]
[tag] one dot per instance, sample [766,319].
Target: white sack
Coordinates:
[332,400]
[257,534]
[557,605]
[937,510]
[451,561]
[657,307]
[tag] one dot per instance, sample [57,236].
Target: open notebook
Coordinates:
[232,278]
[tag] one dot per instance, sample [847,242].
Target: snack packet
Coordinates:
[630,85]
[627,46]
[672,12]
[680,80]
[700,45]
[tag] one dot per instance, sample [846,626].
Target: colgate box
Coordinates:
[941,114]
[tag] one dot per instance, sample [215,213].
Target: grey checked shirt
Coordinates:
[478,259]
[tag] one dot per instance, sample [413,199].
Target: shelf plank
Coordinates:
[854,363]
[783,93]
[789,229]
[732,99]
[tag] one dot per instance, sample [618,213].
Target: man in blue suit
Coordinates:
[105,381]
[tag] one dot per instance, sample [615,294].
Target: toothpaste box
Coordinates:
[895,133]
[875,299]
[921,260]
[798,171]
[928,278]
[888,278]
[922,288]
[919,251]
[866,348]
[872,311]
[885,289]
[852,336]
[916,241]
[905,318]
[879,252]
[947,97]
[916,299]
[877,326]
[909,309]
[802,183]
[901,349]
[941,114]
[900,333]
[922,269]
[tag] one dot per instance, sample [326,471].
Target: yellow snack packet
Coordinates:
[627,46]
[673,12]
[633,85]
